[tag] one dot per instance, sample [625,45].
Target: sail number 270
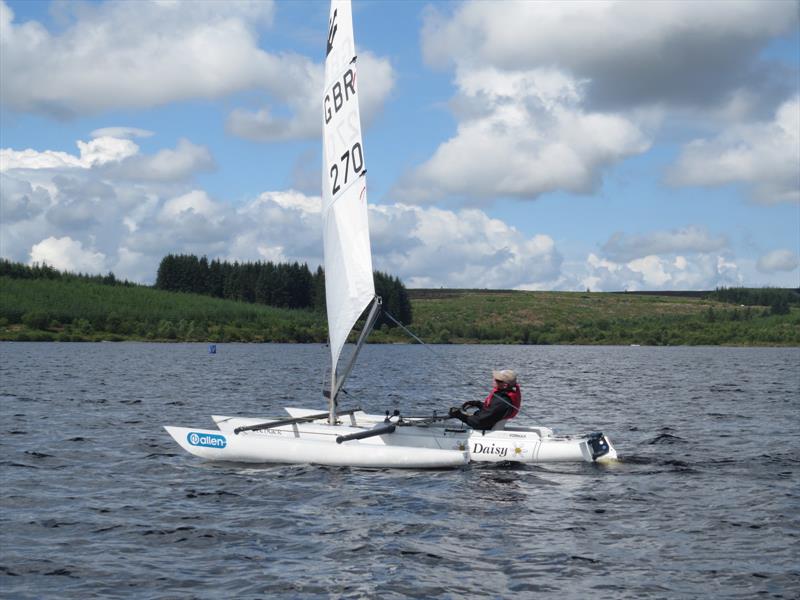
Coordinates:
[352,160]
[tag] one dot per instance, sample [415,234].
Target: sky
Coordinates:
[575,145]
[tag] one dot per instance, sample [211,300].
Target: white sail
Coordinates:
[349,285]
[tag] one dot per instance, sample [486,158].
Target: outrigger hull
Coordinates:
[284,447]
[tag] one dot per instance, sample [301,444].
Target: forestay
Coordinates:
[349,286]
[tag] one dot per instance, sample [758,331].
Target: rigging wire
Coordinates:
[457,369]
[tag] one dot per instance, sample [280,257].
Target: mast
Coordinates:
[349,287]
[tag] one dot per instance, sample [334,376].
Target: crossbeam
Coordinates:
[388,428]
[292,421]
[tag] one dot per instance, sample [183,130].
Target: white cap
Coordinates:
[506,376]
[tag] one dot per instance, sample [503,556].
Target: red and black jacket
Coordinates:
[499,405]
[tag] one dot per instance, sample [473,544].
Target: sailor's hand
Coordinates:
[454,411]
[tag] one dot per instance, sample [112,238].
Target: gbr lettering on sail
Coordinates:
[344,156]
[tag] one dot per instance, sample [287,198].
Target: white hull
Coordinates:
[518,444]
[320,448]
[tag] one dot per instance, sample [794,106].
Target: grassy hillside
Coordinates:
[455,316]
[44,309]
[76,310]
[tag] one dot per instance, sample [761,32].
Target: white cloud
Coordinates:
[80,202]
[134,265]
[304,79]
[89,221]
[20,200]
[67,254]
[96,152]
[192,222]
[693,272]
[294,200]
[196,202]
[32,159]
[103,150]
[651,269]
[551,94]
[117,158]
[376,81]
[623,247]
[631,53]
[167,164]
[431,247]
[280,226]
[765,156]
[778,260]
[108,198]
[690,258]
[133,55]
[522,134]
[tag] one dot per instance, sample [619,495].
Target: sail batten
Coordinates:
[349,287]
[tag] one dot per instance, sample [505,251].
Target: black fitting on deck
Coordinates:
[368,433]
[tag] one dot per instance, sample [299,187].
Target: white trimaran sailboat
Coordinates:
[353,437]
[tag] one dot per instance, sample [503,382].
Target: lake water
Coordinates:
[99,502]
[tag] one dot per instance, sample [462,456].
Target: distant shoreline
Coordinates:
[80,311]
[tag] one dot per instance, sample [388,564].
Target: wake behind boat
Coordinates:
[353,437]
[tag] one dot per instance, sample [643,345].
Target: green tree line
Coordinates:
[778,299]
[283,285]
[16,270]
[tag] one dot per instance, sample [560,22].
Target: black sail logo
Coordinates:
[331,32]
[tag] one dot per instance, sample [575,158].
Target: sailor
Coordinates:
[502,403]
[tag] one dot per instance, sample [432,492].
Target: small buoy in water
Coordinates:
[212,348]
